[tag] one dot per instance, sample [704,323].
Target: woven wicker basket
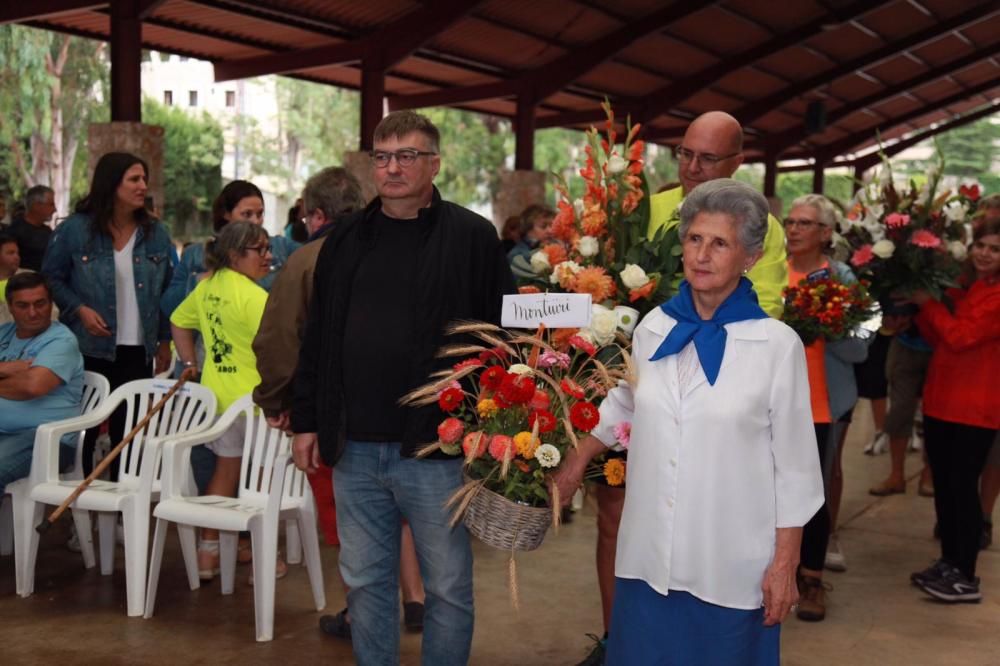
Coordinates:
[498,522]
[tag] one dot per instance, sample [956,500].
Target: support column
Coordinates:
[770,175]
[126,61]
[524,133]
[858,174]
[818,174]
[372,102]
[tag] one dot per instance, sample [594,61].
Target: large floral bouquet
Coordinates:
[909,240]
[600,245]
[826,308]
[514,409]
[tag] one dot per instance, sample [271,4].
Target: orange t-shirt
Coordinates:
[815,364]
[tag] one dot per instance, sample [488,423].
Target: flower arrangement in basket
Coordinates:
[512,411]
[600,245]
[826,308]
[904,241]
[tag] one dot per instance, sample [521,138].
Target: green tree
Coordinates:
[969,150]
[51,88]
[474,149]
[192,161]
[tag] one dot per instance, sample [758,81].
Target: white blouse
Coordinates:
[714,470]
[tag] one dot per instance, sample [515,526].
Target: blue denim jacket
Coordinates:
[80,265]
[192,264]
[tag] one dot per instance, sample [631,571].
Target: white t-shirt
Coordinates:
[129,330]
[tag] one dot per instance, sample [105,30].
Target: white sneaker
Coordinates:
[878,445]
[835,560]
[916,442]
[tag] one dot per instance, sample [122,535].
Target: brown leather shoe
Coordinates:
[885,488]
[812,598]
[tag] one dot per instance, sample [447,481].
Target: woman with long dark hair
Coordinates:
[109,264]
[239,201]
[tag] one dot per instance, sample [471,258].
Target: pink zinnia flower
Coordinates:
[502,446]
[896,220]
[476,440]
[924,238]
[862,255]
[450,430]
[550,359]
[623,433]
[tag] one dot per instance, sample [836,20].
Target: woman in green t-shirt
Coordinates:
[226,308]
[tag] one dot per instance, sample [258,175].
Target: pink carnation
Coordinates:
[924,238]
[549,359]
[477,440]
[862,255]
[897,220]
[623,433]
[502,446]
[450,430]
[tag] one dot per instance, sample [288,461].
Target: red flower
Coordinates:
[572,388]
[495,355]
[450,430]
[467,363]
[540,400]
[576,342]
[451,399]
[970,192]
[477,440]
[546,420]
[516,389]
[502,446]
[584,416]
[492,377]
[523,466]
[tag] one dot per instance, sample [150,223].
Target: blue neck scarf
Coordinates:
[709,335]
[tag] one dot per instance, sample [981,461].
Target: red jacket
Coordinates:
[963,380]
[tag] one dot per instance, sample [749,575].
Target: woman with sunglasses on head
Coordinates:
[961,412]
[225,308]
[832,386]
[239,201]
[109,264]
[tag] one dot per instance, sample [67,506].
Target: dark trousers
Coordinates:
[130,364]
[816,534]
[957,455]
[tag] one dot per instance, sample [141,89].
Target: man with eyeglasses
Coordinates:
[713,148]
[387,281]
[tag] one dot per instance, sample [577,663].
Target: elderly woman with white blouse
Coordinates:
[723,469]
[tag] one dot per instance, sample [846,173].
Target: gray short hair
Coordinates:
[334,191]
[744,204]
[37,194]
[234,237]
[828,213]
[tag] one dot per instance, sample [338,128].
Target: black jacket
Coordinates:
[462,273]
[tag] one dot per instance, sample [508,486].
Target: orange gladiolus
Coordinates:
[645,291]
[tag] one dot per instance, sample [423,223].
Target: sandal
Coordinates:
[280,570]
[208,560]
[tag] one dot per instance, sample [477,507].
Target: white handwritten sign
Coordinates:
[553,310]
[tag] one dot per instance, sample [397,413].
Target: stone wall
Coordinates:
[517,191]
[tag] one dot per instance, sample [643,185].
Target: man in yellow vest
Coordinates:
[713,148]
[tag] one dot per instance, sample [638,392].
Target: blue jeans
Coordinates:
[15,455]
[375,489]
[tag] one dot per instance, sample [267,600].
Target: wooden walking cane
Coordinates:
[108,459]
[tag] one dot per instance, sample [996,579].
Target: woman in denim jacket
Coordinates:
[109,265]
[239,200]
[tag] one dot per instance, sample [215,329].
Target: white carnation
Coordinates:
[603,325]
[547,455]
[884,248]
[955,211]
[540,262]
[958,250]
[633,276]
[519,369]
[587,246]
[616,164]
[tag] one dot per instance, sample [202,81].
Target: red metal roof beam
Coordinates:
[19,12]
[383,48]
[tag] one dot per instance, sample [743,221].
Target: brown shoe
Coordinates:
[812,598]
[886,488]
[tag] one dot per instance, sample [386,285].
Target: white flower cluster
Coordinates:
[547,455]
[633,276]
[605,323]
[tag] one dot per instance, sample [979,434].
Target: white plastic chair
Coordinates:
[190,409]
[16,510]
[271,489]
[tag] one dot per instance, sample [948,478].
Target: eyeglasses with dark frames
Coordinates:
[404,158]
[707,160]
[261,250]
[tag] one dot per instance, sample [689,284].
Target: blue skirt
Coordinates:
[650,629]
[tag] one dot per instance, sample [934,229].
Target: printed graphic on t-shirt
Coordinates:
[221,348]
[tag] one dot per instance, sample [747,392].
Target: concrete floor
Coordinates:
[874,616]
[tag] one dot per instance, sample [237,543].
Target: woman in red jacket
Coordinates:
[961,414]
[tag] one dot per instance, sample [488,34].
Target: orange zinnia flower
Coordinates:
[555,252]
[596,282]
[594,221]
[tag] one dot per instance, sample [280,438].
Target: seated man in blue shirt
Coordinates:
[41,375]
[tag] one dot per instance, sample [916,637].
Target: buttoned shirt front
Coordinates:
[713,470]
